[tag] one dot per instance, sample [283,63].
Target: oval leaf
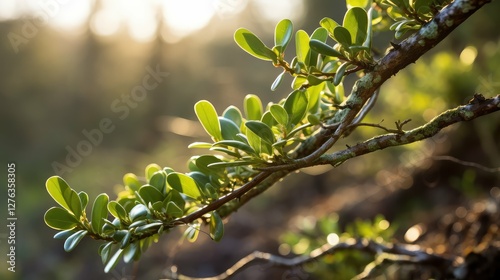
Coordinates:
[250,43]
[278,81]
[208,118]
[302,46]
[279,113]
[356,22]
[138,212]
[58,218]
[234,114]
[216,227]
[324,49]
[59,190]
[150,194]
[131,181]
[296,107]
[73,240]
[340,73]
[184,184]
[283,34]
[113,260]
[261,130]
[253,107]
[342,36]
[99,212]
[229,129]
[117,210]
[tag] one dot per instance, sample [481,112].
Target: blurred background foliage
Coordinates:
[73,60]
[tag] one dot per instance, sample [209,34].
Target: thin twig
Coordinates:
[467,163]
[406,253]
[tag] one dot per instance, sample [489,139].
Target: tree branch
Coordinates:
[393,252]
[477,107]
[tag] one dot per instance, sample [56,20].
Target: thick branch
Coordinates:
[394,252]
[477,107]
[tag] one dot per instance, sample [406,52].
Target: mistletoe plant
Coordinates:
[253,148]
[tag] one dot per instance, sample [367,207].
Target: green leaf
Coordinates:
[313,80]
[184,184]
[64,234]
[250,43]
[104,251]
[58,218]
[202,163]
[324,49]
[208,118]
[73,240]
[329,24]
[340,73]
[238,145]
[150,170]
[302,46]
[356,22]
[283,34]
[235,163]
[131,181]
[313,94]
[279,114]
[158,180]
[261,130]
[75,204]
[234,114]
[277,81]
[200,145]
[125,240]
[298,82]
[59,190]
[174,210]
[113,260]
[150,194]
[320,34]
[357,3]
[296,107]
[84,199]
[253,107]
[130,252]
[368,41]
[342,36]
[229,129]
[268,119]
[216,226]
[117,211]
[139,211]
[99,212]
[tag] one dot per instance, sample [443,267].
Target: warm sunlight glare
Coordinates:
[185,17]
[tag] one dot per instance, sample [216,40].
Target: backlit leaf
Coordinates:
[184,184]
[250,43]
[208,118]
[58,218]
[216,226]
[99,212]
[283,33]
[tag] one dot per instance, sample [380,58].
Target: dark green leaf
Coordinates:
[64,234]
[130,252]
[139,211]
[58,218]
[174,210]
[105,251]
[340,73]
[261,130]
[253,45]
[99,212]
[203,161]
[150,194]
[158,180]
[73,240]
[234,114]
[113,260]
[324,49]
[184,184]
[238,145]
[216,226]
[253,107]
[125,240]
[313,80]
[207,116]
[342,36]
[283,34]
[229,129]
